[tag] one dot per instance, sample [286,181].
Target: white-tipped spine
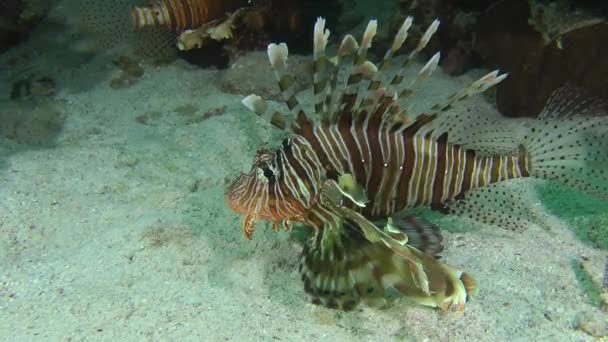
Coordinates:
[481,85]
[430,31]
[429,67]
[424,73]
[401,35]
[349,46]
[277,54]
[255,104]
[487,81]
[367,69]
[368,35]
[321,36]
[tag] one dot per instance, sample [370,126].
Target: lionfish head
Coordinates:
[249,194]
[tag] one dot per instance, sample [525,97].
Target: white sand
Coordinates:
[102,237]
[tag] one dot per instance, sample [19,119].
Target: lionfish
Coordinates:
[353,173]
[180,15]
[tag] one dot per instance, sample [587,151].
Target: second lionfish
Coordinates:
[352,174]
[180,15]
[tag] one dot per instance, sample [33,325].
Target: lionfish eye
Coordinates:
[268,173]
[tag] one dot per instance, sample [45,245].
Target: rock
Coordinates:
[538,62]
[18,18]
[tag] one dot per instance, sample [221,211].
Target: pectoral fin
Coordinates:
[359,260]
[352,190]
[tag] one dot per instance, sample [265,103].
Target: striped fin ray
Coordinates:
[401,118]
[362,68]
[397,90]
[345,55]
[277,54]
[320,65]
[378,79]
[384,105]
[487,81]
[393,114]
[399,77]
[423,74]
[257,105]
[426,122]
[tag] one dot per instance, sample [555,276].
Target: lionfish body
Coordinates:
[181,15]
[367,159]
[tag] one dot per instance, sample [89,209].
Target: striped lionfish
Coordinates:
[352,174]
[180,15]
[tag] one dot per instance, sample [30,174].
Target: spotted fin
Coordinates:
[568,142]
[499,204]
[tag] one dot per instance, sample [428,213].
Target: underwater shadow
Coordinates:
[268,253]
[51,52]
[28,125]
[585,214]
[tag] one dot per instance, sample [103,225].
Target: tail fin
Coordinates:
[568,142]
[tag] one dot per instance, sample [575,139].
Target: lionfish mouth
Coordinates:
[236,198]
[234,193]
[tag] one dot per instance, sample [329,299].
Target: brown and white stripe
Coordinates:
[180,15]
[400,162]
[405,169]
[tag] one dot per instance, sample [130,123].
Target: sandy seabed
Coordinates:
[119,231]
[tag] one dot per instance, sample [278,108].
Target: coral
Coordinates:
[542,44]
[285,21]
[18,18]
[556,18]
[35,9]
[506,37]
